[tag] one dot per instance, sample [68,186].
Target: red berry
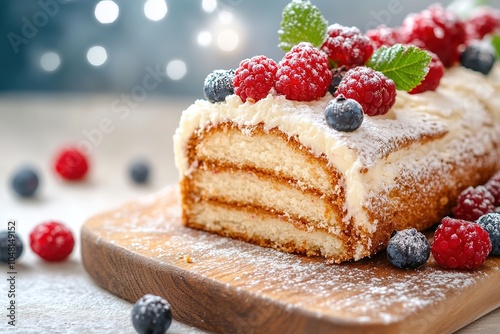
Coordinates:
[473,203]
[347,46]
[374,91]
[303,74]
[483,21]
[52,241]
[438,30]
[254,78]
[384,36]
[433,77]
[459,244]
[493,186]
[71,164]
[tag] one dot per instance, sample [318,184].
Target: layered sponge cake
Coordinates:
[273,172]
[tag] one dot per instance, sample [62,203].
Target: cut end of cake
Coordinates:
[248,185]
[274,174]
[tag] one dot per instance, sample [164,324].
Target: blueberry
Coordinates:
[491,223]
[25,182]
[334,84]
[151,315]
[139,171]
[408,249]
[337,75]
[11,247]
[344,114]
[218,85]
[478,57]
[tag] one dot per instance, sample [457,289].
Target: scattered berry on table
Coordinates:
[408,249]
[52,241]
[384,36]
[139,171]
[151,315]
[459,244]
[433,77]
[254,78]
[25,182]
[483,21]
[347,46]
[344,114]
[11,247]
[71,164]
[479,57]
[374,91]
[472,203]
[303,73]
[218,85]
[436,29]
[491,223]
[493,186]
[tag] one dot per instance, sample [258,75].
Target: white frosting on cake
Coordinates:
[465,101]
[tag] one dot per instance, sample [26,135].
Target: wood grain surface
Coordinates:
[224,285]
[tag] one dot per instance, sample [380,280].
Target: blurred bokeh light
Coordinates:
[108,45]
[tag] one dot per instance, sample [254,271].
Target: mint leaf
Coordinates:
[301,22]
[495,41]
[406,66]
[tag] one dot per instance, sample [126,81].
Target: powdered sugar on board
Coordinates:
[370,290]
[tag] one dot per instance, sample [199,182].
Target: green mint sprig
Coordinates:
[406,66]
[495,41]
[301,22]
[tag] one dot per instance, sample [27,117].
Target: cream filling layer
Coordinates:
[279,232]
[248,188]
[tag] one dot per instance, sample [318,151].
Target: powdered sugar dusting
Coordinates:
[368,291]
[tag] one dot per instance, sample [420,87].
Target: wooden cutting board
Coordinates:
[224,285]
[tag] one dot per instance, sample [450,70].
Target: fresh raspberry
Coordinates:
[303,74]
[384,36]
[433,77]
[483,21]
[493,186]
[438,30]
[52,241]
[459,244]
[71,164]
[473,203]
[254,78]
[347,46]
[374,91]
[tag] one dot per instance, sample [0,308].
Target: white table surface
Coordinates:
[61,297]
